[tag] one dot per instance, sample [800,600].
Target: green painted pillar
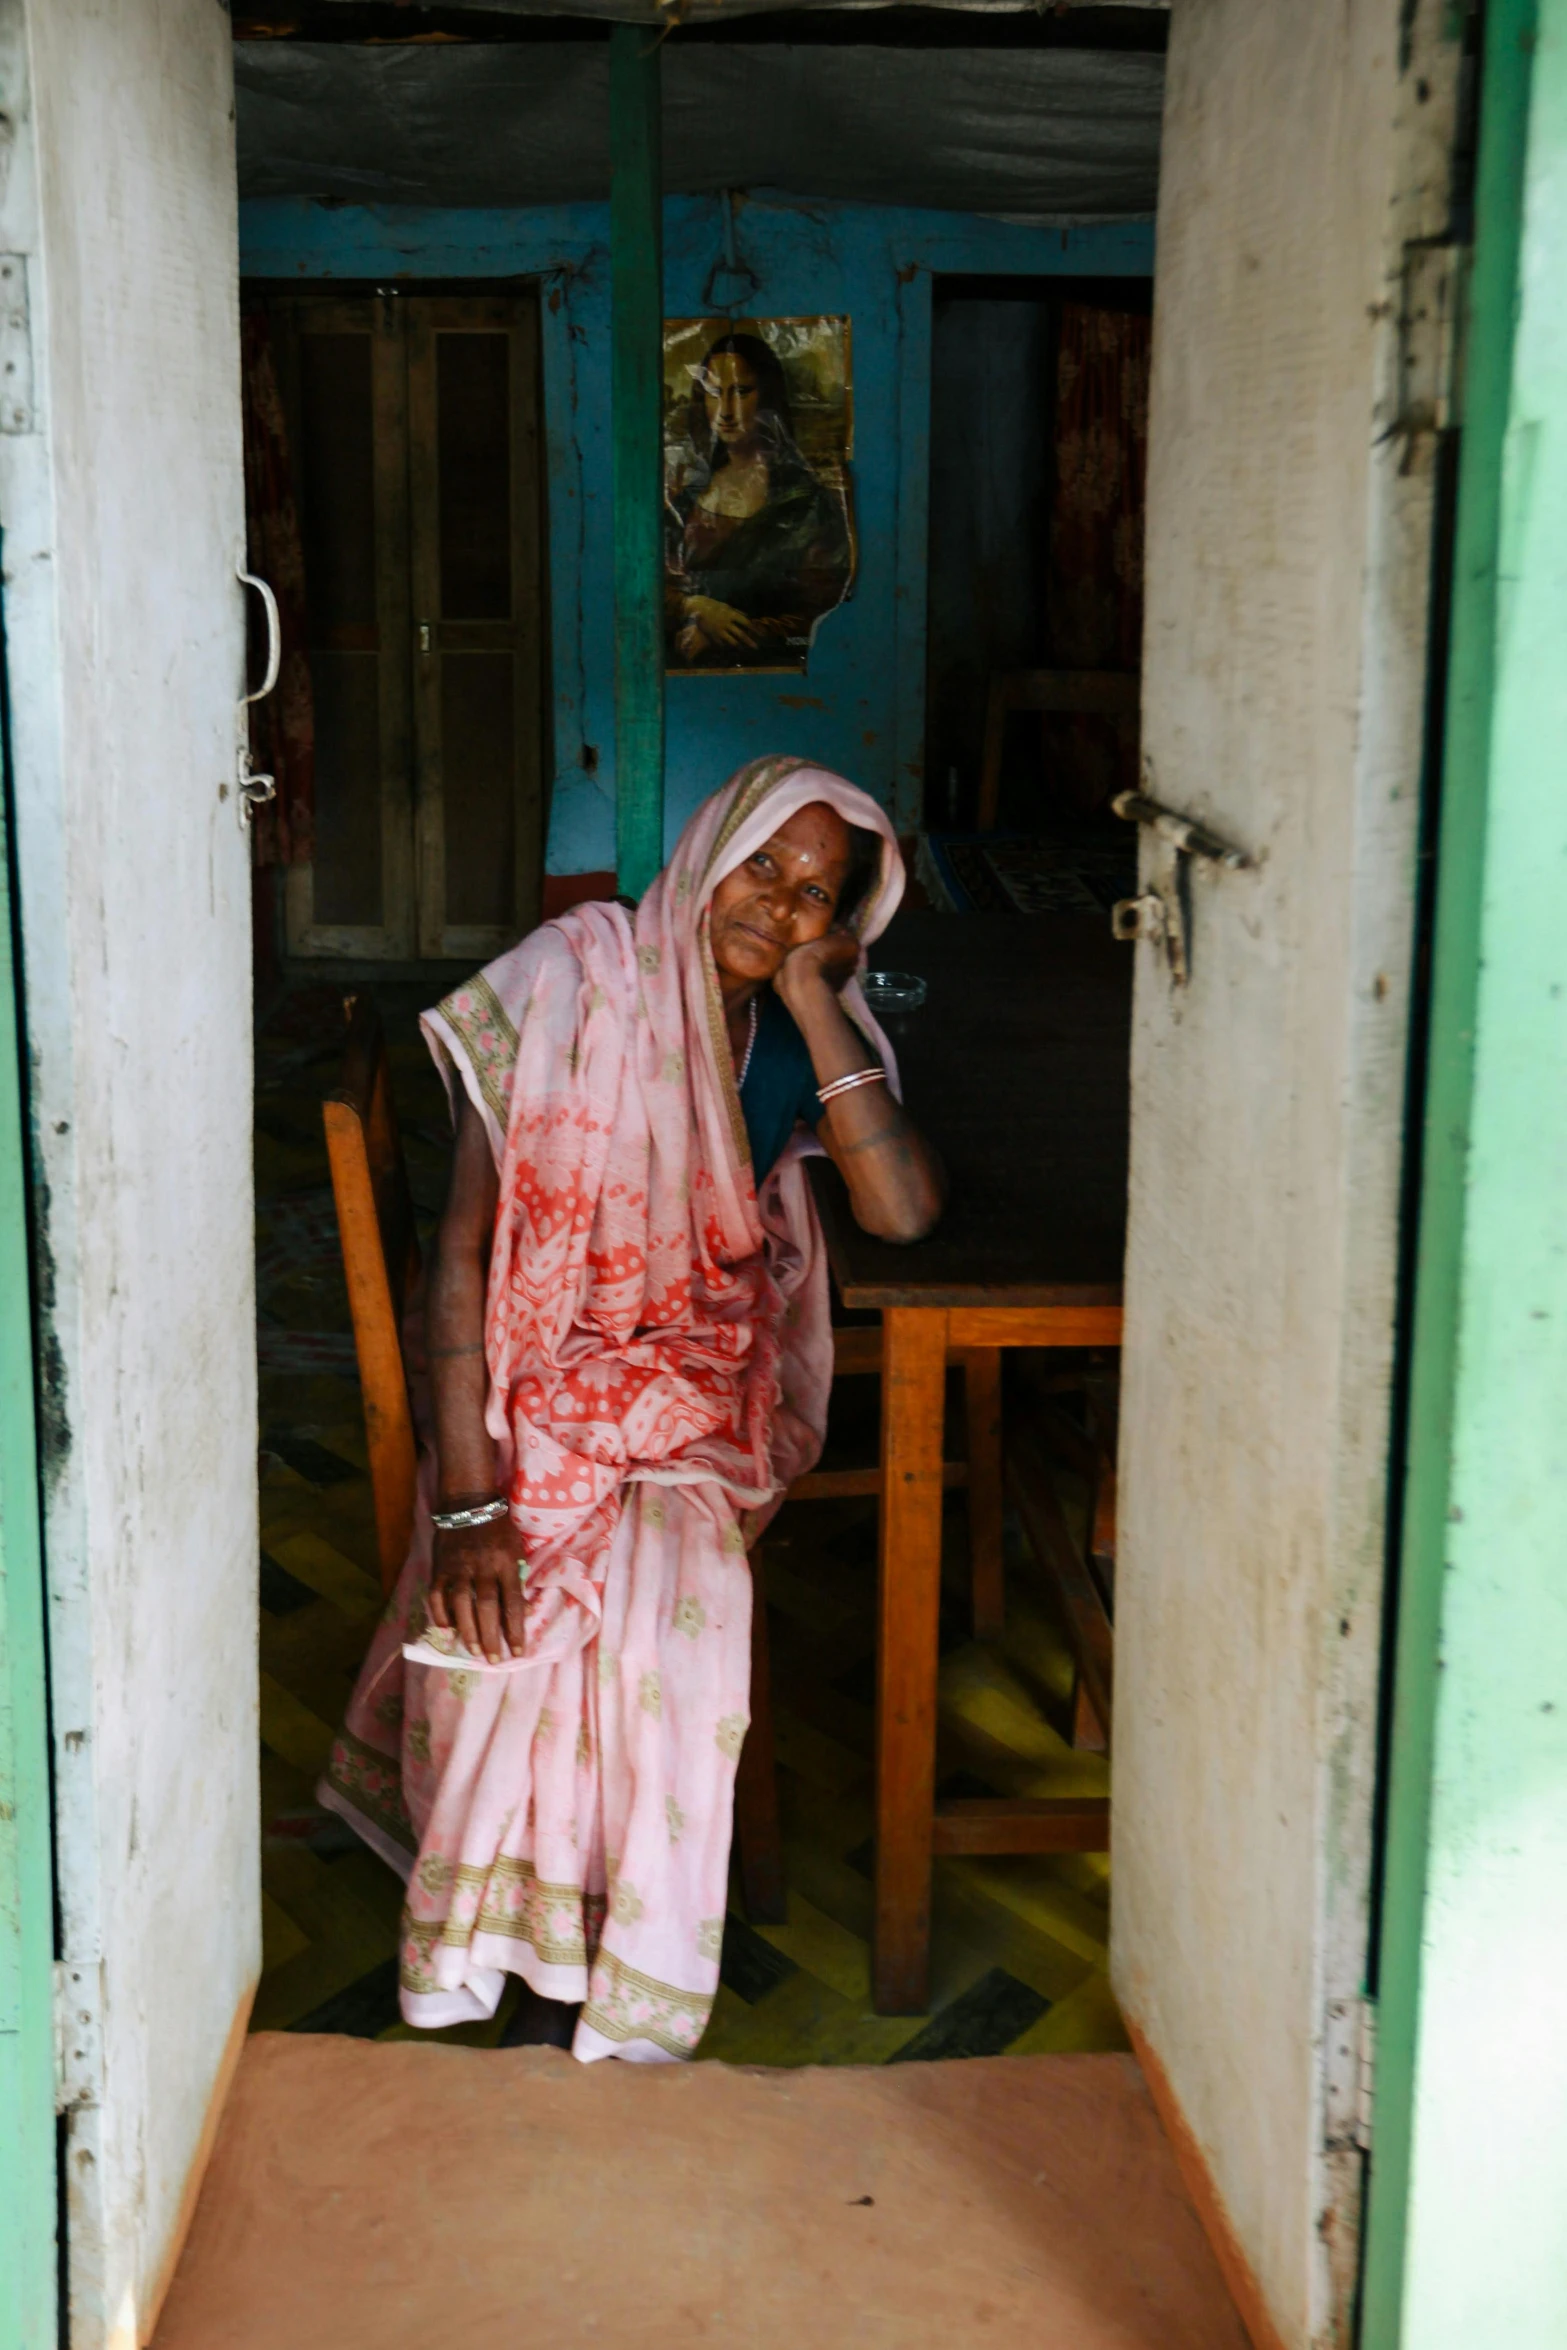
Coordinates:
[637,293]
[1467,2217]
[28,2288]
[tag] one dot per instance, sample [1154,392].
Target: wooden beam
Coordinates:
[636,401]
[1000,1824]
[856,1351]
[1063,1325]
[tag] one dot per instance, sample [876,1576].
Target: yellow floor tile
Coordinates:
[327,1570]
[291,1729]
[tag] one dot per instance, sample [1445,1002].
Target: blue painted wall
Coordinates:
[860,706]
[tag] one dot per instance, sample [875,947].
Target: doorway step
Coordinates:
[368,2198]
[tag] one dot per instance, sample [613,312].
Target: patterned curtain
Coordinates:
[1094,582]
[282,728]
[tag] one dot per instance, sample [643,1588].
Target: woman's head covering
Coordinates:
[734,823]
[672,922]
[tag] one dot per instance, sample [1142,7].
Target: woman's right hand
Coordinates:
[720,623]
[476,1588]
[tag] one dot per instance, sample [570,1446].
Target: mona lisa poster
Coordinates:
[758,522]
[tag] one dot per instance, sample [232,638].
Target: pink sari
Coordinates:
[660,1358]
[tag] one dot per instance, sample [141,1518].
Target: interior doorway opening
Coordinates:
[426,410]
[1019,1952]
[1038,483]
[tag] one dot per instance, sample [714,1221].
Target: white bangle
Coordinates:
[826,1093]
[484,1513]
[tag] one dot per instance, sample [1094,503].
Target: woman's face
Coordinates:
[730,392]
[785,894]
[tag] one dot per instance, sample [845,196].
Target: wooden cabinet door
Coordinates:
[475,520]
[343,377]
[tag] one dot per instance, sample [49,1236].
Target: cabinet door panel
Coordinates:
[479,822]
[473,447]
[336,468]
[347,879]
[475,507]
[343,372]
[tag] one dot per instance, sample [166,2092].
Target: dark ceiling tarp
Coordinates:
[1031,134]
[707,11]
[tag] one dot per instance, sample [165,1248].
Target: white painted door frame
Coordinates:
[121,502]
[1306,173]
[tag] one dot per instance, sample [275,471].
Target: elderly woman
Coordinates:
[628,1356]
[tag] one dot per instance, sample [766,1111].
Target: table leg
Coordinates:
[914,1362]
[982,1400]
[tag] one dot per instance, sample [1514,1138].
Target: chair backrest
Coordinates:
[1097,692]
[375,1225]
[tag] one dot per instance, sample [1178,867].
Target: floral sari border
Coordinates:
[478,1019]
[624,2005]
[561,1924]
[371,1783]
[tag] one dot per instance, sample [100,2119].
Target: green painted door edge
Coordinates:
[636,400]
[28,2277]
[1445,1144]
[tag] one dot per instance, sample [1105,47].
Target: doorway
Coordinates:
[410,444]
[1038,471]
[1219,1129]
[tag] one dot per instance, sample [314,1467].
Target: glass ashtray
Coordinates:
[893,991]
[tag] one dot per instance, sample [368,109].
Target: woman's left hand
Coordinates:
[829,961]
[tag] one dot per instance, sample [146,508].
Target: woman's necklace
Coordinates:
[750,1042]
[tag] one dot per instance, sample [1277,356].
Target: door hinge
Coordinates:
[1349,2073]
[1430,321]
[16,346]
[78,2032]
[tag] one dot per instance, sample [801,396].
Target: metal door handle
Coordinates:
[255,790]
[274,633]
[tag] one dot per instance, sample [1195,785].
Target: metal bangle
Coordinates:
[485,1514]
[877,1076]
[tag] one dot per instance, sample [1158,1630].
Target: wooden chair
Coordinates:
[1105,693]
[375,1224]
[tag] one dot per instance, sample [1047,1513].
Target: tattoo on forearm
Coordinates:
[876,1142]
[447,1354]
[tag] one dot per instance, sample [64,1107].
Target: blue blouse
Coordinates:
[780,1085]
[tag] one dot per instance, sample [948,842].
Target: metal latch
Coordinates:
[78,2033]
[255,790]
[1159,913]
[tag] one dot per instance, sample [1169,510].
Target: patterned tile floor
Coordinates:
[1019,1945]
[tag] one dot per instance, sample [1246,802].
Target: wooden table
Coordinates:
[1017,1069]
